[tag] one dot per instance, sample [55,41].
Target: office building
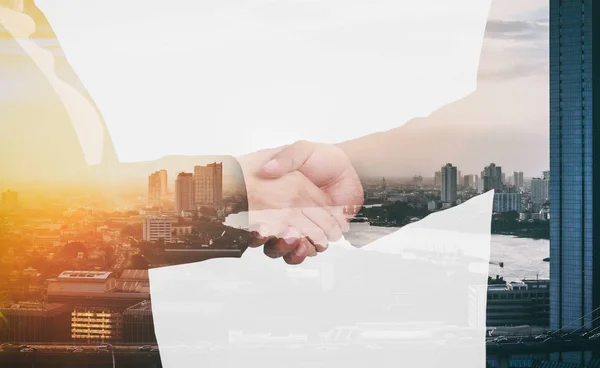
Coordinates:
[10,200]
[518,304]
[184,192]
[157,228]
[96,288]
[154,189]
[95,324]
[162,175]
[35,322]
[507,202]
[449,183]
[574,163]
[538,186]
[468,182]
[546,185]
[208,185]
[138,325]
[518,179]
[492,178]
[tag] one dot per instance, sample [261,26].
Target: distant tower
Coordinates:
[163,181]
[437,179]
[492,178]
[383,189]
[154,189]
[449,183]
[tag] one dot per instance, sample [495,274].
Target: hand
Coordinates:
[326,165]
[289,214]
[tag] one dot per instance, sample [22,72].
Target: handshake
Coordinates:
[300,197]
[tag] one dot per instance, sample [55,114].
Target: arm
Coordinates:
[24,23]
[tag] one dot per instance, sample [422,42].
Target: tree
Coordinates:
[72,249]
[138,262]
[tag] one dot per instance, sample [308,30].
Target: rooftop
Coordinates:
[135,275]
[145,306]
[85,275]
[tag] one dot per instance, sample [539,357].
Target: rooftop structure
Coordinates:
[100,276]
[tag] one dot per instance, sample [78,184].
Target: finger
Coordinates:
[281,246]
[312,251]
[325,221]
[300,253]
[323,201]
[260,234]
[287,160]
[312,231]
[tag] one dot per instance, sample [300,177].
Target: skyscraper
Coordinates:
[162,174]
[518,179]
[492,178]
[184,192]
[449,183]
[208,184]
[537,191]
[154,189]
[574,163]
[469,181]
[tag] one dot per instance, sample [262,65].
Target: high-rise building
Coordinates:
[518,179]
[437,179]
[157,228]
[10,200]
[154,189]
[468,181]
[449,183]
[574,163]
[162,174]
[184,192]
[546,185]
[459,178]
[492,178]
[537,191]
[503,178]
[208,184]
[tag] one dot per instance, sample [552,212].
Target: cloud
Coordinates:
[518,30]
[520,69]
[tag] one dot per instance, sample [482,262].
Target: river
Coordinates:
[522,257]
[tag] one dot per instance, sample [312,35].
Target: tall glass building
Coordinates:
[575,167]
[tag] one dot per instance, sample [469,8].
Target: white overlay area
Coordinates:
[235,76]
[413,298]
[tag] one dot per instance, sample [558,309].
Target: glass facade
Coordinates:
[574,263]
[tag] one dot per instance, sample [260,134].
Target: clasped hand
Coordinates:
[300,198]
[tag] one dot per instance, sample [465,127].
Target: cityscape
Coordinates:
[74,260]
[75,267]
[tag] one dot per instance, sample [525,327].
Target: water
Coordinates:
[522,257]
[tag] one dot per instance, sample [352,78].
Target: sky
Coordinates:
[510,106]
[505,121]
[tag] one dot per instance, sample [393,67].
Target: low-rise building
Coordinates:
[35,322]
[522,303]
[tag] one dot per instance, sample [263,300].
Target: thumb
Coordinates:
[288,160]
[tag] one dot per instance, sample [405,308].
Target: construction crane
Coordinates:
[500,264]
